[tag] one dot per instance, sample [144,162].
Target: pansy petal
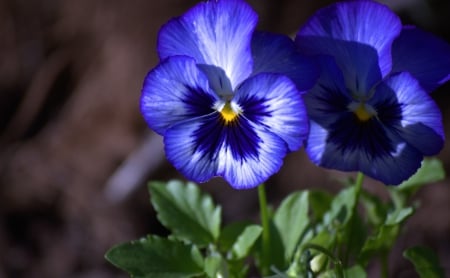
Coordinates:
[242,153]
[424,55]
[183,144]
[273,101]
[174,91]
[393,168]
[359,34]
[329,96]
[371,149]
[215,33]
[250,155]
[316,143]
[276,53]
[419,120]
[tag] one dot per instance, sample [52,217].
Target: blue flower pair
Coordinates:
[229,100]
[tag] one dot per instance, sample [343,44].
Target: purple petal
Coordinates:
[329,97]
[175,91]
[376,152]
[242,170]
[183,144]
[243,153]
[358,34]
[274,53]
[273,101]
[216,33]
[423,55]
[419,118]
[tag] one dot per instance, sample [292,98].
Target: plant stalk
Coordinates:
[265,255]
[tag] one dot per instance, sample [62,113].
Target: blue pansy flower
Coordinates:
[370,110]
[221,96]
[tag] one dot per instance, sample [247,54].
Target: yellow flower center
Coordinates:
[362,113]
[228,113]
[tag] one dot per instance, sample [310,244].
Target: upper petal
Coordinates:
[273,101]
[359,34]
[424,55]
[243,153]
[276,53]
[329,97]
[406,108]
[215,33]
[174,91]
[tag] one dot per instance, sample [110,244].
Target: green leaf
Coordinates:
[190,215]
[399,215]
[425,262]
[385,237]
[320,202]
[375,209]
[216,266]
[381,241]
[431,171]
[324,239]
[342,208]
[157,257]
[230,233]
[291,220]
[355,271]
[245,242]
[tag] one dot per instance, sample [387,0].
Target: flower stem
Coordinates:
[358,186]
[266,230]
[384,265]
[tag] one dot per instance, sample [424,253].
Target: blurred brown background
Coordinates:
[75,153]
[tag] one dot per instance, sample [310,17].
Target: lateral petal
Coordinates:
[273,101]
[174,91]
[405,107]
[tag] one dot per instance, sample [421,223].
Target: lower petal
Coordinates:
[183,149]
[243,153]
[243,169]
[373,150]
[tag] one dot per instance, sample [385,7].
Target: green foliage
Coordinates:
[312,234]
[245,241]
[431,171]
[156,257]
[291,220]
[190,215]
[425,262]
